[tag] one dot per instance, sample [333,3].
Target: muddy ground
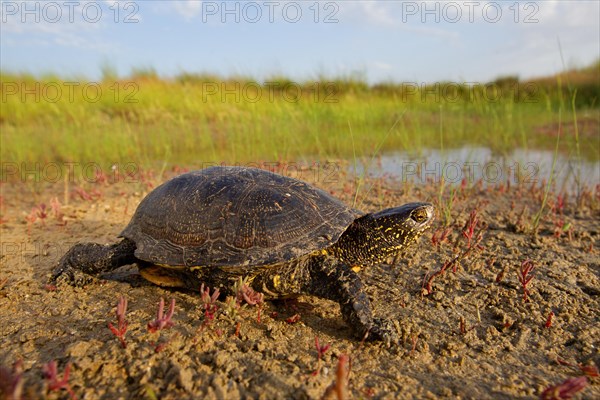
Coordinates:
[467,333]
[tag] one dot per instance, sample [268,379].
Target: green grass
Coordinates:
[181,121]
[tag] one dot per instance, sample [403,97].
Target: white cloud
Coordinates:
[378,13]
[571,14]
[573,24]
[382,65]
[70,27]
[187,8]
[393,15]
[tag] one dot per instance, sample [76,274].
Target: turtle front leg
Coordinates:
[334,280]
[84,260]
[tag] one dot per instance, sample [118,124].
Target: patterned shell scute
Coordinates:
[234,216]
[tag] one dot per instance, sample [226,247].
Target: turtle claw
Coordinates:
[65,274]
[384,330]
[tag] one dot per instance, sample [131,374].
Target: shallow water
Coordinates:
[479,163]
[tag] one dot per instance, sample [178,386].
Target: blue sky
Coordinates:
[416,41]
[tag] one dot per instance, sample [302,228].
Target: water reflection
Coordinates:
[479,163]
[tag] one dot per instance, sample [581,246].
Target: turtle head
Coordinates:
[374,237]
[402,225]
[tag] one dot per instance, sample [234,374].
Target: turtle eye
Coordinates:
[419,215]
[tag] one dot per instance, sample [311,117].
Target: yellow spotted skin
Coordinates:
[372,239]
[276,281]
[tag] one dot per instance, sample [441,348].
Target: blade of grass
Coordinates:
[375,153]
[538,215]
[573,94]
[577,148]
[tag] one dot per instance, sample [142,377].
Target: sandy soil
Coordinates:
[469,334]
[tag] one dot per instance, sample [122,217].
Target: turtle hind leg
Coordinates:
[85,260]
